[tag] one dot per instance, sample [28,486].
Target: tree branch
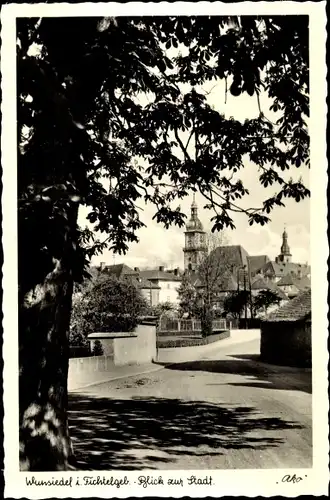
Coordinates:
[187,157]
[190,136]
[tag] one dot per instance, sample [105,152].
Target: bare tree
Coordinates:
[214,275]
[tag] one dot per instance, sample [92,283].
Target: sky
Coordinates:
[158,246]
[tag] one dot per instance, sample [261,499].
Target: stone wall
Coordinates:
[286,343]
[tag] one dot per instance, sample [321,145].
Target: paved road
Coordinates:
[224,411]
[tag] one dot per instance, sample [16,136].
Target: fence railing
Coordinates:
[177,325]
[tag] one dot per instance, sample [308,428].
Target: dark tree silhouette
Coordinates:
[263,300]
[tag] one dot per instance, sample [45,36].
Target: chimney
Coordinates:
[161,268]
[102,266]
[176,271]
[136,269]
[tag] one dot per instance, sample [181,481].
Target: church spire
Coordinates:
[194,223]
[194,248]
[194,209]
[285,249]
[285,255]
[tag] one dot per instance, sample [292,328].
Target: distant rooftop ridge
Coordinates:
[299,308]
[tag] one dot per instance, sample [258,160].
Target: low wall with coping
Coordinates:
[107,345]
[192,353]
[139,349]
[186,341]
[119,349]
[89,370]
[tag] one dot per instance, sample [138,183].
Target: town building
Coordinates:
[292,285]
[167,282]
[282,267]
[233,269]
[257,262]
[290,277]
[260,284]
[286,333]
[226,271]
[149,289]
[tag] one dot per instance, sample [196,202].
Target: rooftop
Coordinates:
[257,262]
[283,268]
[261,284]
[299,308]
[160,275]
[301,283]
[122,271]
[119,270]
[233,255]
[224,283]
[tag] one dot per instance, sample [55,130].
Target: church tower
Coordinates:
[285,255]
[195,240]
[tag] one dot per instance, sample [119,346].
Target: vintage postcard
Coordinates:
[165,251]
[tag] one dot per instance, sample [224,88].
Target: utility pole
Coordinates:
[239,312]
[245,301]
[250,290]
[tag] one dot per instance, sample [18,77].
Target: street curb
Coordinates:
[119,377]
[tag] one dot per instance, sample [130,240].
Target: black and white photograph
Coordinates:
[164,235]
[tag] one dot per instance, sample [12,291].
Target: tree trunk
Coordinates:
[44,318]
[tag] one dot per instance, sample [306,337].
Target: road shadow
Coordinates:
[145,433]
[257,373]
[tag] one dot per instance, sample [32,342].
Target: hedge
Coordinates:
[191,342]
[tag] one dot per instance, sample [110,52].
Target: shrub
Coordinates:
[97,348]
[192,342]
[106,305]
[206,322]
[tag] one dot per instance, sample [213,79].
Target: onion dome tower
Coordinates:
[285,255]
[195,240]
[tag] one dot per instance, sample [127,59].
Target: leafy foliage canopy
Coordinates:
[113,112]
[108,305]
